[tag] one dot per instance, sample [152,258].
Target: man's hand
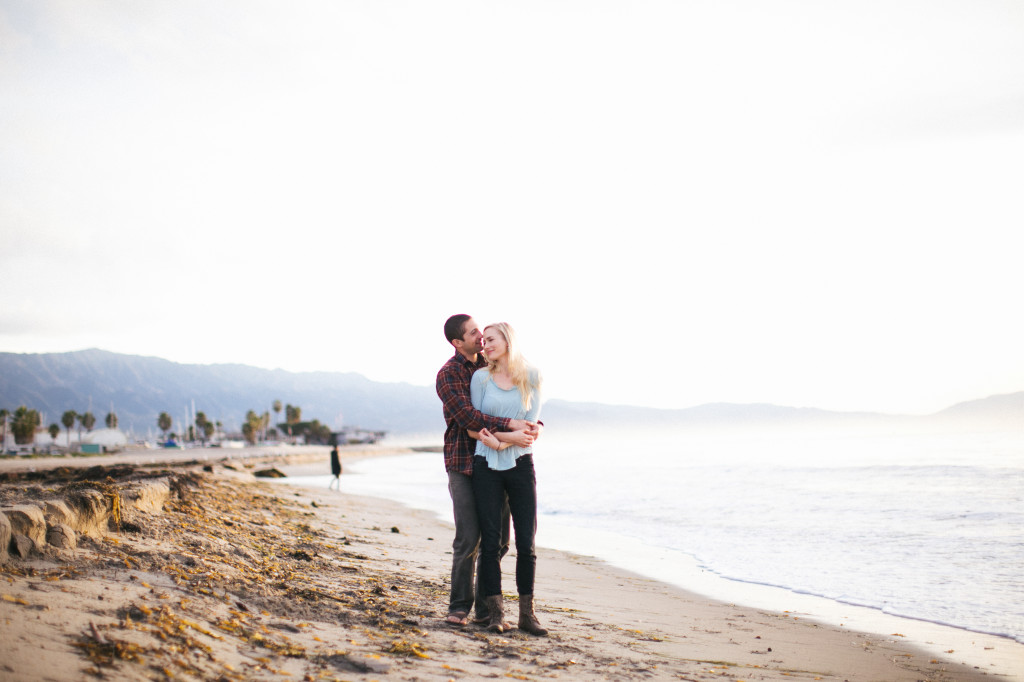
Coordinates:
[533,428]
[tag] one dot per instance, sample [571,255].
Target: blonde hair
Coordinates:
[518,368]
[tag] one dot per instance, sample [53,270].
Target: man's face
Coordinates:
[471,338]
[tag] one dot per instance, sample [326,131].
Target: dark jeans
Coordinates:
[465,587]
[490,488]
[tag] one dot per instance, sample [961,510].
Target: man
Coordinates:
[460,418]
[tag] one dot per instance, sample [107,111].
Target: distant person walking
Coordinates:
[335,469]
[507,387]
[460,418]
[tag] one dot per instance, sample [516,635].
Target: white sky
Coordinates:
[800,202]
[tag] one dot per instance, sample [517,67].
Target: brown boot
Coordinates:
[496,613]
[527,618]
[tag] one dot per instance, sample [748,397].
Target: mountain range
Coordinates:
[139,388]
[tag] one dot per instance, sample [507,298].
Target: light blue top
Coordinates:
[496,401]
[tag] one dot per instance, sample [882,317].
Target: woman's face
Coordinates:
[494,344]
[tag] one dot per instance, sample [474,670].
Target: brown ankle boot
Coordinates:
[496,614]
[527,618]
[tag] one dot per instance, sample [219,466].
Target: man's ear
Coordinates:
[457,343]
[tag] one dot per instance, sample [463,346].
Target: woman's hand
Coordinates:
[489,439]
[523,439]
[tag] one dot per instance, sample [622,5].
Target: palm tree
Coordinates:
[24,425]
[251,427]
[111,420]
[277,410]
[54,432]
[68,420]
[164,423]
[203,426]
[292,415]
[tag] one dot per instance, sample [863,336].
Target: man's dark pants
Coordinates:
[466,546]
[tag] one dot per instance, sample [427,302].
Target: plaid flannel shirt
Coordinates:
[459,414]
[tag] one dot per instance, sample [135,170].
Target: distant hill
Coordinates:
[139,388]
[999,412]
[1004,411]
[708,415]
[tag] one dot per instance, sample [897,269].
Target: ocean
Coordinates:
[928,527]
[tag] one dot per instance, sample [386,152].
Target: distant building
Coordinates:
[351,435]
[107,439]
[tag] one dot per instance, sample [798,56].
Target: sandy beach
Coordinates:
[202,571]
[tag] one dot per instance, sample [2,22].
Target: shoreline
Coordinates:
[281,454]
[936,637]
[970,647]
[341,584]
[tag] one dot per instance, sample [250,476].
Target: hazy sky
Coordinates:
[791,201]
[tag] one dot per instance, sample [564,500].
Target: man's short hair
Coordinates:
[455,327]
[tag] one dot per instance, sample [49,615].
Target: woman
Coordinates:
[335,469]
[507,387]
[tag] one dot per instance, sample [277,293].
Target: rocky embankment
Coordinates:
[49,519]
